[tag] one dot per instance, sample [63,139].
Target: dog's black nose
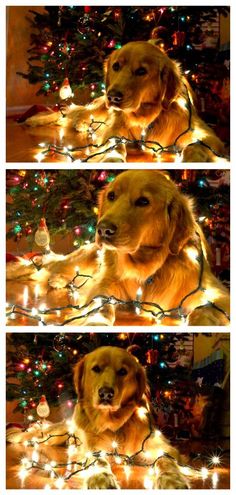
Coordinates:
[106,393]
[106,229]
[115,96]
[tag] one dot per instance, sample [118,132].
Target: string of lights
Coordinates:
[114,141]
[141,458]
[98,302]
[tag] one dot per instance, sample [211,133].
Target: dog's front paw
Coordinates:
[113,159]
[207,316]
[57,281]
[113,156]
[101,481]
[196,153]
[168,481]
[97,320]
[103,478]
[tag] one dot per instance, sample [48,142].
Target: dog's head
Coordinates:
[108,379]
[144,209]
[140,74]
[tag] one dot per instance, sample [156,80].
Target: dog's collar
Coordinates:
[199,258]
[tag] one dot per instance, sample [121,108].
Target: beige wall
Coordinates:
[19,91]
[203,347]
[224,29]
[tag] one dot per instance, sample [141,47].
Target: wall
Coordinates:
[203,347]
[19,91]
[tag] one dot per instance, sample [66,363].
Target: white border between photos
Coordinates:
[5,165]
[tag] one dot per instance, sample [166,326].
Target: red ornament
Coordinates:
[152,356]
[102,176]
[111,44]
[87,9]
[178,38]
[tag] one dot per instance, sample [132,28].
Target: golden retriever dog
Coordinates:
[113,407]
[147,98]
[148,248]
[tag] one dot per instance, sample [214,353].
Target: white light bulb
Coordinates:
[215,479]
[22,473]
[59,483]
[35,456]
[142,412]
[42,307]
[204,473]
[139,293]
[39,157]
[148,483]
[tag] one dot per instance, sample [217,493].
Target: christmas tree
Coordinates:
[68,201]
[73,42]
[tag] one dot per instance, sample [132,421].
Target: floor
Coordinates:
[135,480]
[23,144]
[31,294]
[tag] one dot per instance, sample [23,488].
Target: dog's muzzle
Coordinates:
[106,395]
[106,230]
[115,97]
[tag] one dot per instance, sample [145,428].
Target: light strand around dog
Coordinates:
[89,465]
[151,309]
[111,144]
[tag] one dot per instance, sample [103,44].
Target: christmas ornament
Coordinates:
[178,38]
[161,38]
[42,237]
[65,91]
[152,356]
[59,343]
[43,409]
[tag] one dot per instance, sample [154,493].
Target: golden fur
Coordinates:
[154,93]
[99,422]
[160,240]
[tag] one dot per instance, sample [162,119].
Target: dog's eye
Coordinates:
[116,66]
[141,71]
[142,201]
[111,196]
[122,372]
[96,369]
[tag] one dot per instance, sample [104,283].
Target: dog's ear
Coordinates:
[100,200]
[78,377]
[142,383]
[182,223]
[106,68]
[171,80]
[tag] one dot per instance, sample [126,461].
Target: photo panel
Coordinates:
[118,84]
[118,410]
[112,247]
